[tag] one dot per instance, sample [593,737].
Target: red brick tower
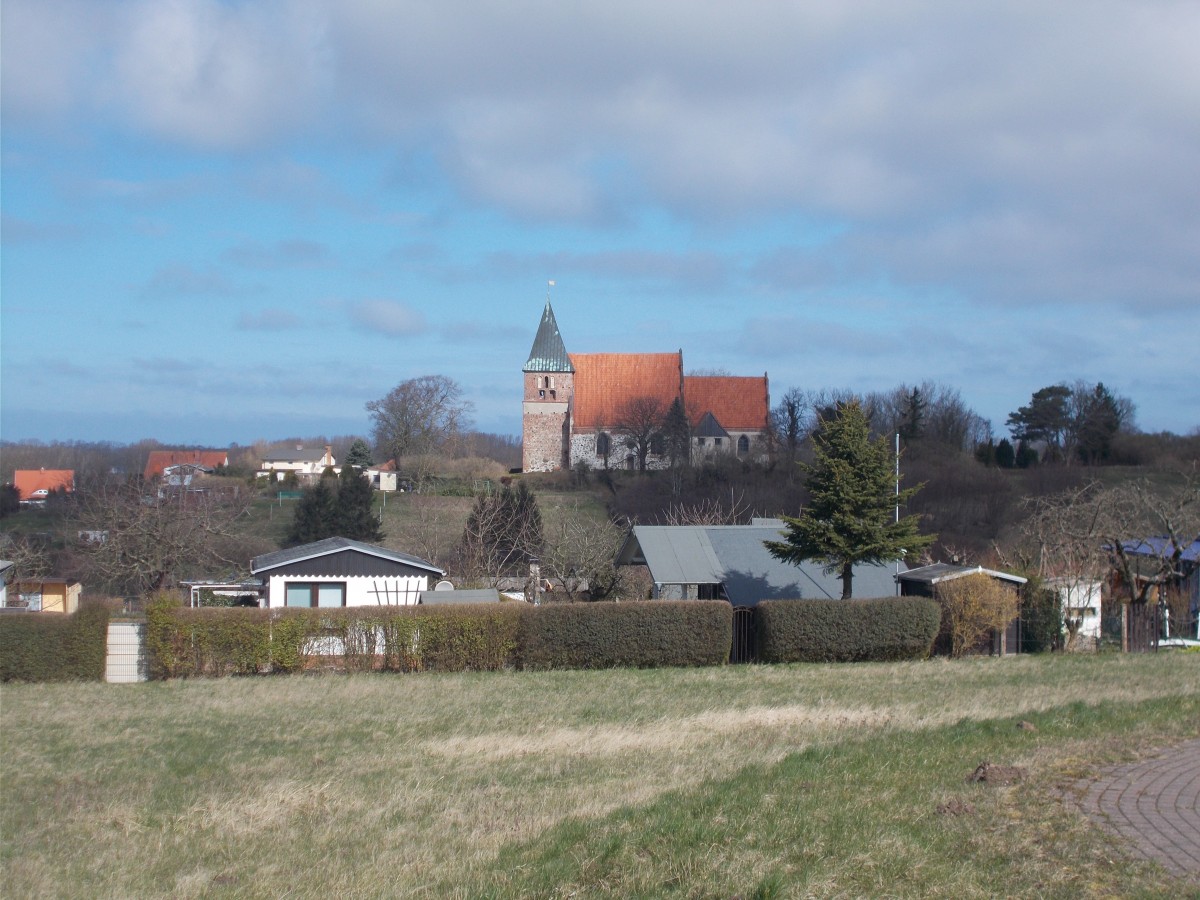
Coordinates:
[549,387]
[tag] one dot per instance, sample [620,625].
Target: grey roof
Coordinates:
[293,455]
[480,595]
[709,427]
[939,572]
[335,545]
[736,556]
[548,353]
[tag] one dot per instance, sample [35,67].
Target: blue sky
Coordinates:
[233,221]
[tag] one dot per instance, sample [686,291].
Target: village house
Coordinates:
[306,464]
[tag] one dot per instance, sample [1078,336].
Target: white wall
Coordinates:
[361,590]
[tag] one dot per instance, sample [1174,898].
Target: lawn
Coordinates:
[750,781]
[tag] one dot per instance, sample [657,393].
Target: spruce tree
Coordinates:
[358,456]
[316,513]
[355,518]
[850,518]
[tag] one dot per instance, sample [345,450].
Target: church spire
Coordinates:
[548,353]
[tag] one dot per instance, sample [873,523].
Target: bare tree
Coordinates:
[143,543]
[640,423]
[789,426]
[580,554]
[423,415]
[974,605]
[1137,531]
[711,511]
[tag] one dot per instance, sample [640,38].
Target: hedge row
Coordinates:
[890,628]
[184,642]
[631,635]
[53,647]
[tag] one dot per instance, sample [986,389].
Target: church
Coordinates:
[579,407]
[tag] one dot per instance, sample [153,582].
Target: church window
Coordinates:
[603,445]
[658,446]
[716,442]
[743,444]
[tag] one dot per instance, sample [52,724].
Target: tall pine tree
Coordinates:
[851,516]
[355,517]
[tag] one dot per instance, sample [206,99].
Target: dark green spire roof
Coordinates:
[548,353]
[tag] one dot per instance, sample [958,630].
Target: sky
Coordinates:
[235,221]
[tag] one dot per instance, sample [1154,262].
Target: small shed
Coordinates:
[924,580]
[340,572]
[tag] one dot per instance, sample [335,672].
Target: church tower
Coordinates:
[549,387]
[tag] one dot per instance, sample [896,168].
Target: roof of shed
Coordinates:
[736,557]
[548,353]
[1162,547]
[335,545]
[939,572]
[605,383]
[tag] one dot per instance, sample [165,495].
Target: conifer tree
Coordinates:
[850,518]
[315,514]
[355,518]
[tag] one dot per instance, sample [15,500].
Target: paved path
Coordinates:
[1153,805]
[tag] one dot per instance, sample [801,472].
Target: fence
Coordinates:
[126,662]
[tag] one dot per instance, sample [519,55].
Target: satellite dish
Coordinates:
[443,585]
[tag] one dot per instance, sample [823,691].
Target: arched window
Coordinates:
[603,444]
[743,445]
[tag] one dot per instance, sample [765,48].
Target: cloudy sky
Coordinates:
[226,221]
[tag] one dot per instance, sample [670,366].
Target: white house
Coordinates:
[6,569]
[303,463]
[339,572]
[1080,608]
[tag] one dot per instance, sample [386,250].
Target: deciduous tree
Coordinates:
[972,606]
[850,518]
[640,423]
[420,416]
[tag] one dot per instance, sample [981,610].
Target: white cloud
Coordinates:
[387,317]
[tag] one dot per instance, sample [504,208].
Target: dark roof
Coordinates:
[709,427]
[335,545]
[939,572]
[548,353]
[1162,547]
[293,455]
[480,595]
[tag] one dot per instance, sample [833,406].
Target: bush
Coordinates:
[215,642]
[52,647]
[604,635]
[889,628]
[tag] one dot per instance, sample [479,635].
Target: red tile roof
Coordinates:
[606,382]
[26,481]
[161,459]
[738,403]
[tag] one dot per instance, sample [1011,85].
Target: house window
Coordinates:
[743,444]
[315,593]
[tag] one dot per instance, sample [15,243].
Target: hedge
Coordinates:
[889,628]
[641,635]
[183,642]
[54,647]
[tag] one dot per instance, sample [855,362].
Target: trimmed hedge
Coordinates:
[54,647]
[636,635]
[889,628]
[184,642]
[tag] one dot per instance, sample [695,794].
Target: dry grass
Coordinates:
[385,785]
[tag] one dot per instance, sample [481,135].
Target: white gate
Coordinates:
[126,653]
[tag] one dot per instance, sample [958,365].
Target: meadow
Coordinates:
[747,781]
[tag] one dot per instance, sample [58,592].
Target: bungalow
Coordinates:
[731,562]
[1081,610]
[340,572]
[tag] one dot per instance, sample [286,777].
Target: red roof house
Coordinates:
[29,481]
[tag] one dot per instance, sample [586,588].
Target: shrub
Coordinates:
[52,647]
[973,606]
[189,642]
[889,628]
[604,635]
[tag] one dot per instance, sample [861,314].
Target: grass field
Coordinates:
[749,781]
